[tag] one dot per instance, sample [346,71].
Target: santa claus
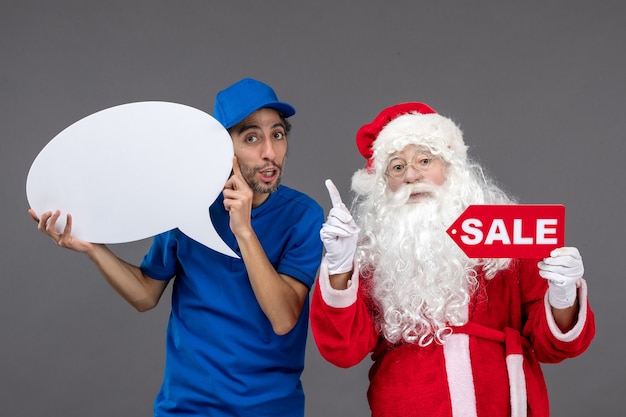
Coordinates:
[449,335]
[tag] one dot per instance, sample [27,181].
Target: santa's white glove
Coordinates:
[339,234]
[562,269]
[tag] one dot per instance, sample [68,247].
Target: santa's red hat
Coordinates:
[409,123]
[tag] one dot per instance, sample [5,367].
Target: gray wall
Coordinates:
[538,88]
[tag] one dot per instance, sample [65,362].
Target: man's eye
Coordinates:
[279,135]
[397,167]
[251,139]
[425,161]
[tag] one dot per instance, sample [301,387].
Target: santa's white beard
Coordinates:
[421,280]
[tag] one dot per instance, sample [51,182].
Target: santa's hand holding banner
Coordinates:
[449,335]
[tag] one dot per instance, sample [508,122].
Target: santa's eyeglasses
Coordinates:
[398,167]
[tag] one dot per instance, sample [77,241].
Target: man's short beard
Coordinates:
[421,280]
[249,173]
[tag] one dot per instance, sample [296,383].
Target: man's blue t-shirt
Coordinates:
[223,358]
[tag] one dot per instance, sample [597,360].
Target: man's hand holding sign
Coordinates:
[127,173]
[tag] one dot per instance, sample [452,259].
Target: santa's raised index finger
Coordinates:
[335,197]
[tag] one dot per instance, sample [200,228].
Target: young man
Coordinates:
[238,327]
[449,335]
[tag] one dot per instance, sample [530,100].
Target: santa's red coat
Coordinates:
[488,368]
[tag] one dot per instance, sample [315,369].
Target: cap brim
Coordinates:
[285,109]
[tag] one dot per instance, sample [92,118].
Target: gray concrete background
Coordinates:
[538,88]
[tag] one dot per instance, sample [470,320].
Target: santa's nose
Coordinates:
[412,175]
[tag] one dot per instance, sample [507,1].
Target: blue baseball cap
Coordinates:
[243,98]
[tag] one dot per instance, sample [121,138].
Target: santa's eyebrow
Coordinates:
[418,153]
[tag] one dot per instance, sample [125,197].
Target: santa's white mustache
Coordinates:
[403,195]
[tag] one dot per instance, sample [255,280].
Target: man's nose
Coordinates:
[268,151]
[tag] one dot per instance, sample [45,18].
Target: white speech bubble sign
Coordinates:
[135,170]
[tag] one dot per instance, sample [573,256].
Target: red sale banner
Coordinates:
[509,231]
